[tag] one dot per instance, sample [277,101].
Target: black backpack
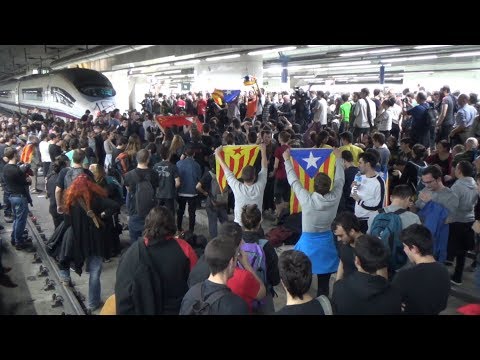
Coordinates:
[144,195]
[71,175]
[430,116]
[202,305]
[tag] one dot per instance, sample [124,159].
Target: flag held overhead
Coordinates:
[220,96]
[236,157]
[307,163]
[169,121]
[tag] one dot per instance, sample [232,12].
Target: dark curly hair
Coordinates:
[251,216]
[159,224]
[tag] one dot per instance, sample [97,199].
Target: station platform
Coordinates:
[30,298]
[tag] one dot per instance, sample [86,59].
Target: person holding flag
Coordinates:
[318,209]
[252,189]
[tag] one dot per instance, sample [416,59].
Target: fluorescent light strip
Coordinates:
[355,53]
[172,72]
[347,63]
[465,54]
[267,51]
[273,69]
[420,47]
[224,57]
[365,52]
[381,51]
[420,72]
[188,62]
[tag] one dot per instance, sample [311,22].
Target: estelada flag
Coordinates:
[236,157]
[307,163]
[219,96]
[169,121]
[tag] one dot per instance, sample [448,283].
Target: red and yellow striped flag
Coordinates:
[236,157]
[27,153]
[307,163]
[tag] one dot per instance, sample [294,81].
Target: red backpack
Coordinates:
[279,235]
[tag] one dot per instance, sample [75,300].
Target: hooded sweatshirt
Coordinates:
[466,190]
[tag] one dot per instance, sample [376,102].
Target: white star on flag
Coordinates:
[311,161]
[228,92]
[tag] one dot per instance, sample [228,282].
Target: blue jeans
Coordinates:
[20,213]
[136,225]
[94,267]
[215,215]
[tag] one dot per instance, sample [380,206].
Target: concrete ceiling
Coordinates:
[17,59]
[22,59]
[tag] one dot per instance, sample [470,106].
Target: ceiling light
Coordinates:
[420,47]
[465,54]
[273,69]
[188,62]
[355,53]
[350,63]
[267,51]
[383,51]
[223,57]
[420,72]
[172,72]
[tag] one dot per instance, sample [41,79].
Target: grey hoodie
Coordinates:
[466,190]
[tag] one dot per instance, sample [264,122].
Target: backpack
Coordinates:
[71,175]
[202,305]
[387,227]
[116,185]
[430,117]
[326,304]
[256,258]
[279,235]
[122,163]
[419,185]
[455,104]
[217,197]
[144,195]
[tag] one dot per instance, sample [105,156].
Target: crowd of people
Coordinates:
[388,242]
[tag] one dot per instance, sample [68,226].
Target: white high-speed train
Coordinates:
[68,93]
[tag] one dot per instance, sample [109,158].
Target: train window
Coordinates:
[62,97]
[96,91]
[6,93]
[33,94]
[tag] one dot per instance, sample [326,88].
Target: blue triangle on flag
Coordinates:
[310,159]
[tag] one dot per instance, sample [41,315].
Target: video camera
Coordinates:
[26,169]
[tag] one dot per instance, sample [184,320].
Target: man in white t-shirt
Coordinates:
[250,191]
[370,192]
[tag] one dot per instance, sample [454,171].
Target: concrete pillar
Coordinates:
[227,74]
[119,80]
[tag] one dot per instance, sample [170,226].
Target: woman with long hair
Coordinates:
[152,275]
[176,149]
[86,208]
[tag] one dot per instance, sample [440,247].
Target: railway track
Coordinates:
[65,298]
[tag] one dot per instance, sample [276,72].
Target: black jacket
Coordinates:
[85,239]
[152,280]
[364,294]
